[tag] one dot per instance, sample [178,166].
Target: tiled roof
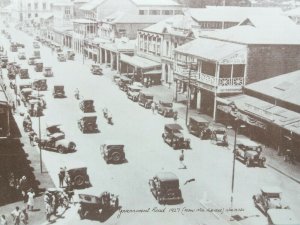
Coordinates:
[285,87]
[210,49]
[155,2]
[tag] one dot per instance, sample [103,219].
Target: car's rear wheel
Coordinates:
[116,157]
[60,149]
[79,180]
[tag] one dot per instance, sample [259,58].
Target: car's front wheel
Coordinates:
[60,149]
[116,157]
[79,180]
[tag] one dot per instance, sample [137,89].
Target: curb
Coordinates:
[284,173]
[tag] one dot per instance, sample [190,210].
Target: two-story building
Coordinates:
[221,62]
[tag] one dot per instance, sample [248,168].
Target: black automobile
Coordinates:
[58,91]
[96,69]
[38,66]
[124,82]
[88,124]
[165,108]
[199,127]
[87,105]
[77,178]
[113,152]
[172,136]
[40,84]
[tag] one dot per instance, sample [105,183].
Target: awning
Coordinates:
[153,72]
[139,62]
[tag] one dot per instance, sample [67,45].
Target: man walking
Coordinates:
[181,160]
[61,177]
[16,215]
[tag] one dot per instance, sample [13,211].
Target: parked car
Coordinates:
[269,198]
[48,72]
[21,56]
[38,66]
[249,152]
[88,124]
[96,69]
[24,74]
[87,105]
[31,61]
[172,136]
[113,152]
[4,61]
[124,82]
[70,55]
[219,135]
[94,206]
[58,91]
[282,217]
[61,57]
[133,92]
[57,143]
[78,178]
[13,47]
[20,45]
[165,108]
[35,108]
[40,84]
[199,127]
[53,130]
[37,54]
[36,44]
[145,99]
[165,188]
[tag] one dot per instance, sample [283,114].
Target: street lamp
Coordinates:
[39,145]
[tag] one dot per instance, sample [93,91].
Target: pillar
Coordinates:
[100,54]
[111,60]
[118,62]
[105,56]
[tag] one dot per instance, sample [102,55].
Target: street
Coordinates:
[146,153]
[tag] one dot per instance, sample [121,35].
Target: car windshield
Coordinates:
[166,104]
[170,184]
[273,195]
[54,129]
[148,96]
[220,131]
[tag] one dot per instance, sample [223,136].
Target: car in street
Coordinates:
[40,84]
[37,54]
[48,71]
[199,127]
[96,69]
[97,206]
[56,142]
[21,56]
[61,57]
[36,44]
[70,55]
[124,82]
[31,60]
[165,188]
[53,130]
[4,61]
[20,45]
[219,135]
[172,136]
[269,198]
[13,47]
[38,66]
[282,217]
[145,99]
[249,152]
[113,152]
[77,178]
[35,109]
[58,91]
[165,108]
[88,123]
[87,105]
[133,92]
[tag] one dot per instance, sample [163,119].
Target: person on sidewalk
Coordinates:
[23,217]
[153,107]
[3,220]
[16,215]
[181,160]
[30,202]
[61,176]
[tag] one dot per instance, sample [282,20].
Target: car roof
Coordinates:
[147,93]
[89,115]
[77,168]
[174,126]
[113,142]
[166,176]
[282,216]
[53,125]
[247,142]
[58,86]
[199,119]
[134,87]
[271,189]
[165,101]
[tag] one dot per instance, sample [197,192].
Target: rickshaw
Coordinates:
[97,205]
[70,55]
[88,123]
[96,69]
[24,74]
[48,71]
[39,67]
[199,127]
[34,108]
[40,84]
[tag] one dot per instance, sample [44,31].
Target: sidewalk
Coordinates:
[273,160]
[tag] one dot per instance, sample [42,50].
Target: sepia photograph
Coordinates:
[150,112]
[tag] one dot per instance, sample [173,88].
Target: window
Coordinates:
[44,6]
[177,12]
[35,5]
[154,12]
[67,11]
[122,32]
[167,12]
[142,12]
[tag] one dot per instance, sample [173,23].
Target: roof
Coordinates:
[91,4]
[120,44]
[199,119]
[271,189]
[283,216]
[166,176]
[284,87]
[247,142]
[139,61]
[113,142]
[155,3]
[210,49]
[174,126]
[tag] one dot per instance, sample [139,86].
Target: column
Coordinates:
[105,56]
[111,60]
[100,54]
[118,66]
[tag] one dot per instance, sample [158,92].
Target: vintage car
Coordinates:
[96,69]
[57,143]
[36,44]
[249,152]
[38,66]
[145,99]
[133,92]
[88,123]
[31,60]
[4,60]
[20,45]
[87,105]
[165,108]
[58,91]
[95,206]
[24,74]
[38,97]
[37,38]
[21,56]
[77,178]
[53,130]
[70,55]
[219,135]
[269,198]
[13,47]
[35,108]
[113,152]
[165,188]
[173,137]
[124,82]
[25,94]
[37,54]
[199,127]
[48,71]
[282,217]
[61,57]
[40,84]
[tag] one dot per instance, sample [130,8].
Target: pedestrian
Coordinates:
[23,217]
[175,116]
[61,176]
[24,187]
[30,201]
[153,107]
[48,211]
[181,160]
[30,135]
[16,215]
[3,220]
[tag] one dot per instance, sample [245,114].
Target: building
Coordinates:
[222,62]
